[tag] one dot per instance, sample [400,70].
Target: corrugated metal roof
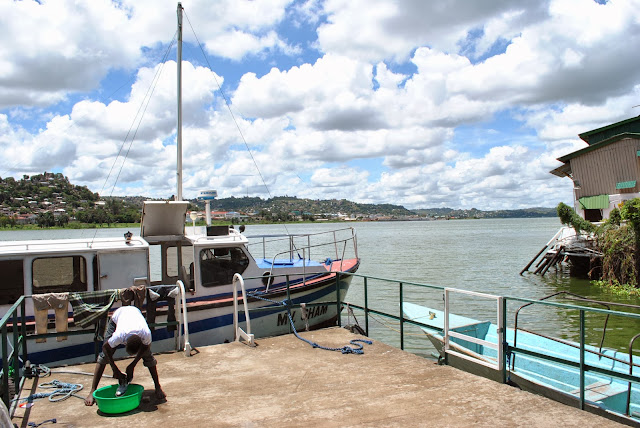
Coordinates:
[600,144]
[626,184]
[594,202]
[596,135]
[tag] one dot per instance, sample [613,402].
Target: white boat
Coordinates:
[202,266]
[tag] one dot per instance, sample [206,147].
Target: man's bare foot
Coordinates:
[160,395]
[89,400]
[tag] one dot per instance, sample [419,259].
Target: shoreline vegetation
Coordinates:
[618,240]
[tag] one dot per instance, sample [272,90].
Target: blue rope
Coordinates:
[62,391]
[345,349]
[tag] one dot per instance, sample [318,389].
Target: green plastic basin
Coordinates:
[109,403]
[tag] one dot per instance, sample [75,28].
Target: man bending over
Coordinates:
[126,327]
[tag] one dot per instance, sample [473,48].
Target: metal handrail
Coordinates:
[292,247]
[19,342]
[238,332]
[631,342]
[605,304]
[584,367]
[184,323]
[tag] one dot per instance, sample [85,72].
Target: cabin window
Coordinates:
[59,274]
[218,265]
[11,286]
[172,260]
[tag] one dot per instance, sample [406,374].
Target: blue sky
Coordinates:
[377,101]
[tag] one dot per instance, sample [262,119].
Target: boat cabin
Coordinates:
[162,255]
[71,265]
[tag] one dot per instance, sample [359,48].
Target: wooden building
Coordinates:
[606,172]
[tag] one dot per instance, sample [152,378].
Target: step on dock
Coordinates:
[285,382]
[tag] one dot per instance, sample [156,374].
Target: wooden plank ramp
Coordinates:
[285,382]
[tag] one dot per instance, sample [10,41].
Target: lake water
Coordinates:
[478,255]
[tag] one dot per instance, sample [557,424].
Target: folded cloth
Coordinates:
[134,294]
[161,293]
[59,302]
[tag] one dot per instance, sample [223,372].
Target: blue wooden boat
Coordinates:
[547,376]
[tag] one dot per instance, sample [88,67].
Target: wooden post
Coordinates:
[553,261]
[526,268]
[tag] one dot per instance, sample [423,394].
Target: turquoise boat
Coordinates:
[546,375]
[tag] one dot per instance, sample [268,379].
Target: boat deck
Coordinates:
[285,382]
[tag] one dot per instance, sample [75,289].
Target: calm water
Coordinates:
[478,255]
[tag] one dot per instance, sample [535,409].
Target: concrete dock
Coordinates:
[284,382]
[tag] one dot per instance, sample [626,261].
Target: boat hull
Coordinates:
[210,322]
[604,395]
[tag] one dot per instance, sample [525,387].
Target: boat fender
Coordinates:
[328,261]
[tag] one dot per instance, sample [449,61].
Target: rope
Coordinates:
[62,391]
[345,349]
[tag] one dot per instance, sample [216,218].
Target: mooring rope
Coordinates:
[345,349]
[62,391]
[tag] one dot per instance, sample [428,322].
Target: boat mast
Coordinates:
[179,136]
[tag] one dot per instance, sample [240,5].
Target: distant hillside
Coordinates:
[310,206]
[50,199]
[475,213]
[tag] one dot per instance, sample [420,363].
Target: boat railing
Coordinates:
[239,332]
[40,245]
[611,367]
[293,246]
[306,250]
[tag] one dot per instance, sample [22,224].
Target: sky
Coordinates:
[456,103]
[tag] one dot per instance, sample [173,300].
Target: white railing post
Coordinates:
[502,331]
[446,320]
[238,332]
[453,350]
[182,321]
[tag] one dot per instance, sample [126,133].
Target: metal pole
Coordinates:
[179,132]
[502,310]
[338,298]
[401,320]
[23,329]
[582,328]
[293,314]
[446,325]
[366,308]
[16,353]
[5,368]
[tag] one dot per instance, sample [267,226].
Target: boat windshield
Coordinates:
[218,265]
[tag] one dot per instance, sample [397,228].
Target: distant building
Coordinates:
[218,215]
[607,171]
